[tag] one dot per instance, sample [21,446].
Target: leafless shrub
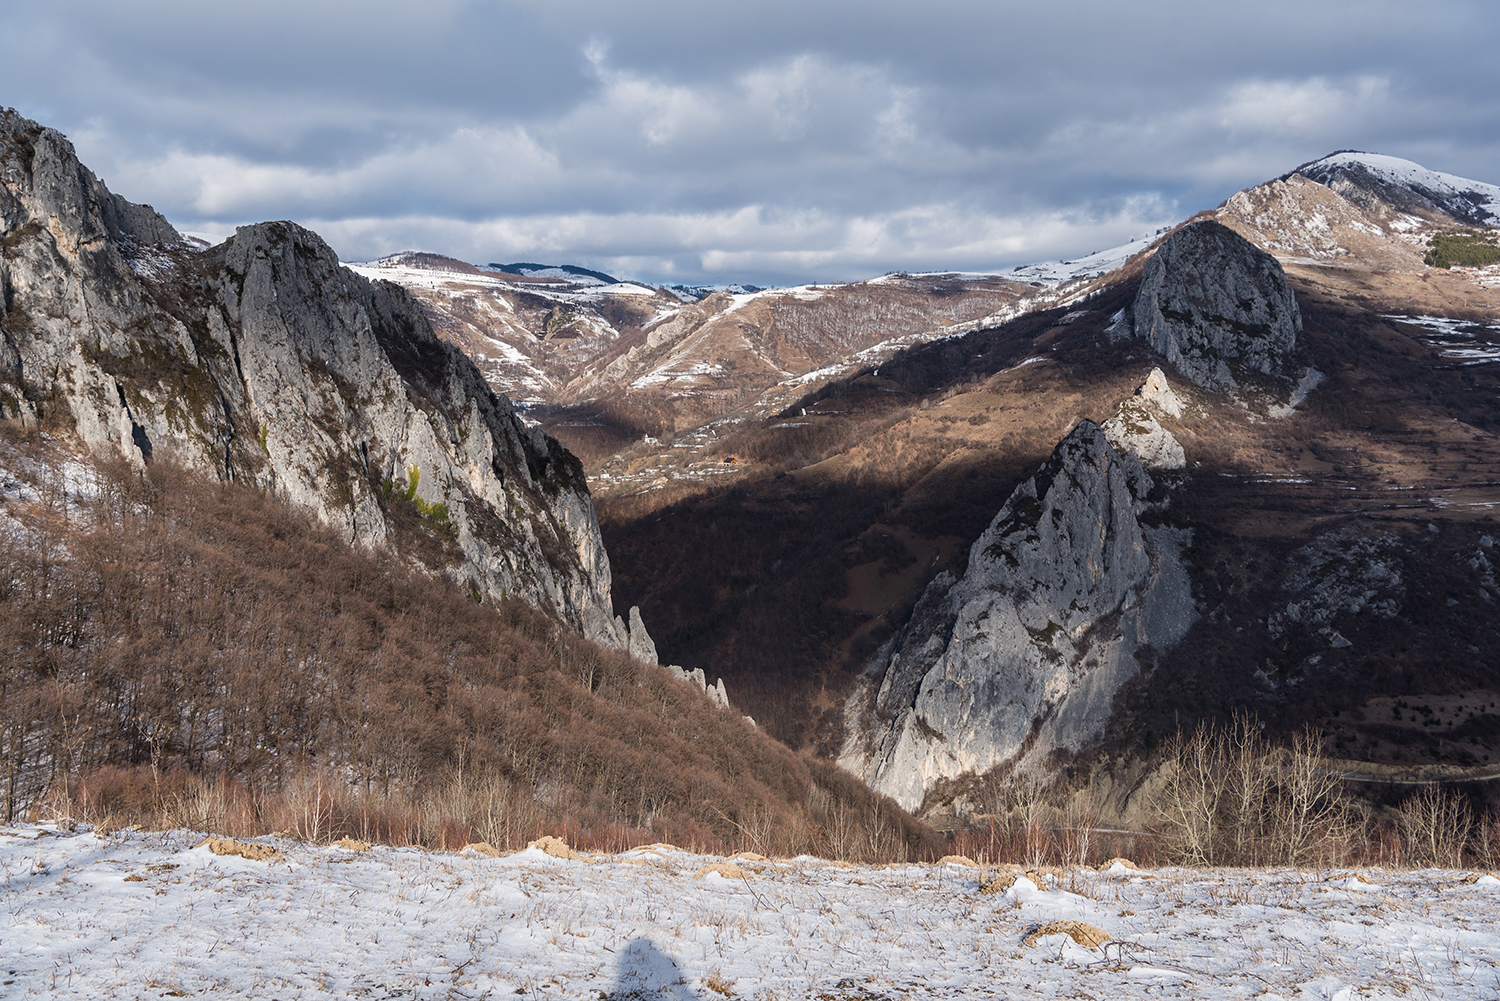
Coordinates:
[1436,826]
[1231,800]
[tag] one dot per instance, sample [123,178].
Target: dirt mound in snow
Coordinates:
[1000,883]
[726,869]
[482,848]
[1084,934]
[351,844]
[556,847]
[244,849]
[1475,877]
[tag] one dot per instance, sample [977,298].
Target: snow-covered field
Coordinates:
[147,915]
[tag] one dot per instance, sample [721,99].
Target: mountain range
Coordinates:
[942,528]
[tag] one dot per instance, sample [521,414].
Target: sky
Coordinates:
[774,143]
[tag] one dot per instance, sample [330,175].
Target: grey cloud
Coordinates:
[787,141]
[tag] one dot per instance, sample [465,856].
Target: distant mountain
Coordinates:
[607,365]
[1372,179]
[1335,496]
[569,271]
[693,293]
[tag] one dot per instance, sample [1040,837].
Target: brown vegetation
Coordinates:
[1223,795]
[182,652]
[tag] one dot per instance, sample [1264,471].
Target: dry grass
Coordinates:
[231,667]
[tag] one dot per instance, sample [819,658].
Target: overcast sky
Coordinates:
[774,142]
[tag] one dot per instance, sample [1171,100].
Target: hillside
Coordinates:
[1340,546]
[182,650]
[606,366]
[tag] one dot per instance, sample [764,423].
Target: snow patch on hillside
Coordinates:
[1462,341]
[1092,265]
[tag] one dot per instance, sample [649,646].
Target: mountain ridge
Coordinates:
[262,360]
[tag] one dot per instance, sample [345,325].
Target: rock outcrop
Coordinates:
[1135,428]
[1218,308]
[716,692]
[1064,593]
[638,642]
[263,361]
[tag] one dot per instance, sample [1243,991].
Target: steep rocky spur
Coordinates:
[263,361]
[1217,307]
[1023,655]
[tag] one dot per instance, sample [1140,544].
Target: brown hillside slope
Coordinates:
[162,623]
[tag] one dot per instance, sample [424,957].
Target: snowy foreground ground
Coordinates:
[148,915]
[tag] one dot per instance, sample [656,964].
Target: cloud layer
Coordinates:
[780,143]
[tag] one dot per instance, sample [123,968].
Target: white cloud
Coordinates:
[470,167]
[1309,108]
[775,245]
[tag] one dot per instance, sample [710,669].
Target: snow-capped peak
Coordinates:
[1464,199]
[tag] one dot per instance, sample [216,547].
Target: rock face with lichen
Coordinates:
[1066,590]
[1135,427]
[1218,308]
[263,361]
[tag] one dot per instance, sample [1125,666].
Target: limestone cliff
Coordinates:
[1218,308]
[262,360]
[1070,585]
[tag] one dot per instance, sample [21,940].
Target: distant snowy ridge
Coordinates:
[1093,265]
[1405,185]
[567,272]
[410,268]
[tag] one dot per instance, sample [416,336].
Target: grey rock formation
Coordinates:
[264,361]
[1024,654]
[1156,391]
[640,644]
[716,692]
[1135,428]
[1218,308]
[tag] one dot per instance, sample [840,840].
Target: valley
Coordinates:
[934,536]
[791,534]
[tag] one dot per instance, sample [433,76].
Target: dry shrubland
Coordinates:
[1224,795]
[180,652]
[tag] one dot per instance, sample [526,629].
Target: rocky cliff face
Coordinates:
[1218,308]
[1303,222]
[262,360]
[1068,587]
